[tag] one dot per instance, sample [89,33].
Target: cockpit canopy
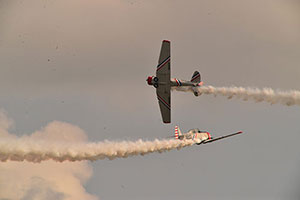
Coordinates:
[196,130]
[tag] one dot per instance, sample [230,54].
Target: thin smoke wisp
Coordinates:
[288,98]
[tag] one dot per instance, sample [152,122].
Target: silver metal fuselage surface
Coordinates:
[177,83]
[195,135]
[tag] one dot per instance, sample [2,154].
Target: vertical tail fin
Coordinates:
[177,132]
[196,78]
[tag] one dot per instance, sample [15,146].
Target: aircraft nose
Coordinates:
[149,80]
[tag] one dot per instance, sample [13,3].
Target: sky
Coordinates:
[82,65]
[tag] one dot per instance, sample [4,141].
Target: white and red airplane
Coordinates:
[163,82]
[200,137]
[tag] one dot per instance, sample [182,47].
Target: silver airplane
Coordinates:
[200,137]
[163,82]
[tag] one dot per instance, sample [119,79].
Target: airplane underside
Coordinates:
[163,82]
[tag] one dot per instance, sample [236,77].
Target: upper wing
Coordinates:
[163,73]
[163,70]
[222,137]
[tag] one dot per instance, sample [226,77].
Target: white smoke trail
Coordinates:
[36,151]
[288,98]
[55,143]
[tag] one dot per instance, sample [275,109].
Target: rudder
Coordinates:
[177,132]
[196,78]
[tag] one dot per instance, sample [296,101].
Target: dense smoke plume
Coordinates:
[57,142]
[23,149]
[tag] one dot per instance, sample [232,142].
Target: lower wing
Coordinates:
[222,137]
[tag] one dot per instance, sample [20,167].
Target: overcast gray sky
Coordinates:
[86,62]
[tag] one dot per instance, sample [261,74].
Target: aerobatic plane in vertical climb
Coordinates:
[200,137]
[163,82]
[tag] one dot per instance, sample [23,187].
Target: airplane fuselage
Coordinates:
[177,83]
[199,137]
[196,135]
[174,82]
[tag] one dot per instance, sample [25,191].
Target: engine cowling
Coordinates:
[150,80]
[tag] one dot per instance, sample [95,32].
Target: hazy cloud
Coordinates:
[47,180]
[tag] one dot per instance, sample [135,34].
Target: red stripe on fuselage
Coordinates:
[209,136]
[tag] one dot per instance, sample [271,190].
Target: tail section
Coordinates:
[196,78]
[177,132]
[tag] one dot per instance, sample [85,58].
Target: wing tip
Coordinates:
[166,41]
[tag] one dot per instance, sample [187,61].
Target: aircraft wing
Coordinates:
[163,73]
[222,137]
[164,100]
[163,69]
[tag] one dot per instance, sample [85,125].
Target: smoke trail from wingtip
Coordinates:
[288,98]
[37,151]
